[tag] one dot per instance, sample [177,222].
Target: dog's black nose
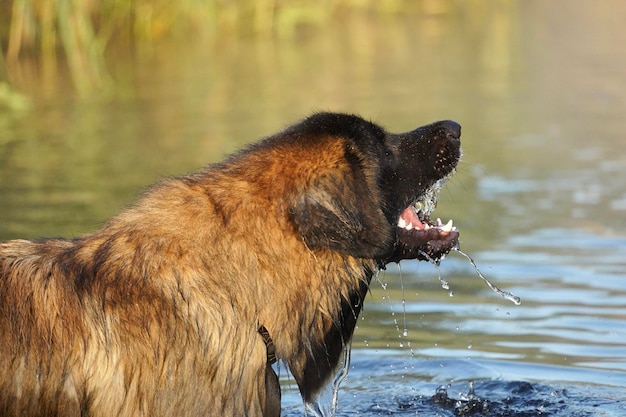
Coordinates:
[452,128]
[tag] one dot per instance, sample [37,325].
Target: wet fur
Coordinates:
[157,313]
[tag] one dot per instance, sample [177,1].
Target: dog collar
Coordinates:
[269,344]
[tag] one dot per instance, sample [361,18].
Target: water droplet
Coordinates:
[469,346]
[405,333]
[451,293]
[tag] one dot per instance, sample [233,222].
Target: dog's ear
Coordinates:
[339,211]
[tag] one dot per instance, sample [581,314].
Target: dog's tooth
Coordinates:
[447,227]
[439,223]
[426,226]
[401,223]
[409,226]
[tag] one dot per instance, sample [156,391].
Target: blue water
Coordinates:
[396,386]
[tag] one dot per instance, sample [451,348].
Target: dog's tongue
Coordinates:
[409,220]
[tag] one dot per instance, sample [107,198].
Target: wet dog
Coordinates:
[180,304]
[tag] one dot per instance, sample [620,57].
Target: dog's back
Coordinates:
[39,321]
[120,322]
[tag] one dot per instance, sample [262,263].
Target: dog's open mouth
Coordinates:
[420,237]
[414,218]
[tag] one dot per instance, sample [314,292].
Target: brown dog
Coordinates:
[178,306]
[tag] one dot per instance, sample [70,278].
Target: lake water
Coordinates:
[539,199]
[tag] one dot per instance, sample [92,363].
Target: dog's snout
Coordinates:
[451,128]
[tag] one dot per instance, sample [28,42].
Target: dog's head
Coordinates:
[376,199]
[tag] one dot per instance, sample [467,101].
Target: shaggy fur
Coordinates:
[158,313]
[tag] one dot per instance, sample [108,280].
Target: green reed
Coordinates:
[79,31]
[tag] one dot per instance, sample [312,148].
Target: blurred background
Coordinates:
[100,99]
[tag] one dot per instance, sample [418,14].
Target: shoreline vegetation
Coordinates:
[76,33]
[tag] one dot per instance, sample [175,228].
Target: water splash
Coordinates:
[471,394]
[428,203]
[325,404]
[467,405]
[405,330]
[377,279]
[504,294]
[341,375]
[436,263]
[444,284]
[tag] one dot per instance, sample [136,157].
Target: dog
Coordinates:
[180,304]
